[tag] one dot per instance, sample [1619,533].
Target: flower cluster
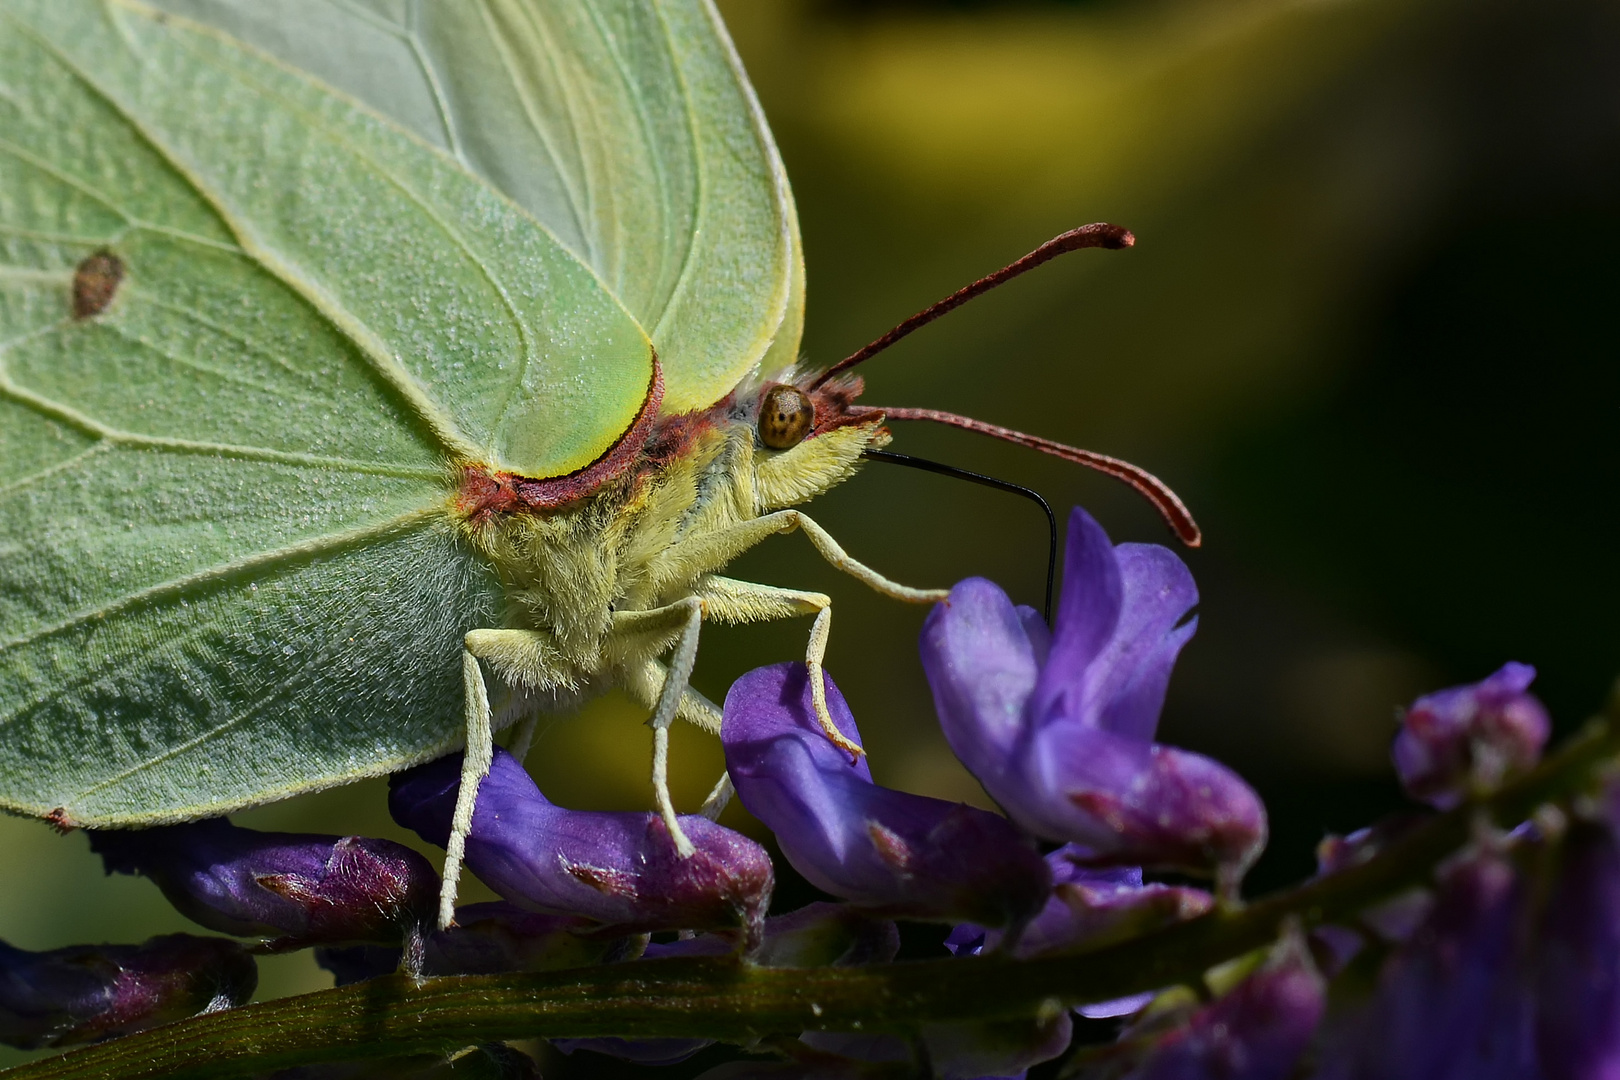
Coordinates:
[1506,963]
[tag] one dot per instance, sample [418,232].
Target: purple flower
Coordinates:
[887,850]
[1088,908]
[1453,1003]
[1059,728]
[88,992]
[618,869]
[301,889]
[1258,1031]
[1578,967]
[1468,738]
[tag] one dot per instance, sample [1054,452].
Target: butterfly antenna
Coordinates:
[1156,491]
[1099,235]
[990,482]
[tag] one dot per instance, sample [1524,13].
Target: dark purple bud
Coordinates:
[1258,1031]
[298,888]
[1469,738]
[888,850]
[618,869]
[1453,1002]
[1060,731]
[1578,967]
[85,993]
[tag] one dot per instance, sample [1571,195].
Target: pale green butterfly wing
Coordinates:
[227,570]
[626,126]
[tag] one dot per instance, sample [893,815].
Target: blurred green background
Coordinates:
[1365,333]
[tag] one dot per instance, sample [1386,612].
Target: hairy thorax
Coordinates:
[647,538]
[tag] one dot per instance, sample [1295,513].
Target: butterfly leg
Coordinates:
[520,657]
[686,617]
[732,601]
[475,764]
[751,603]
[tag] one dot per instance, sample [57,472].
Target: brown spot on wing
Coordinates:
[58,819]
[95,282]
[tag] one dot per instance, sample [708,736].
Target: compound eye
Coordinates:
[785,417]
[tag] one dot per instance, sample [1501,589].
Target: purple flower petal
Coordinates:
[302,889]
[1138,804]
[1088,611]
[1090,907]
[982,663]
[620,869]
[1470,737]
[85,993]
[1126,684]
[884,849]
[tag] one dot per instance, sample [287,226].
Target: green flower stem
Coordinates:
[734,1001]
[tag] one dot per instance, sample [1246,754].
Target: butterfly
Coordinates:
[359,356]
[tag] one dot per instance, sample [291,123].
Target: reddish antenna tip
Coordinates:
[1097,235]
[1156,491]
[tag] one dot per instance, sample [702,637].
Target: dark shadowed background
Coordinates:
[1368,333]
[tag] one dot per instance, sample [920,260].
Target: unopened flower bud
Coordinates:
[1468,738]
[85,993]
[888,850]
[618,869]
[298,888]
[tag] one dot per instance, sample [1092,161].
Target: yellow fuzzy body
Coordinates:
[575,577]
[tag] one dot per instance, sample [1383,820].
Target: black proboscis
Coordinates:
[991,482]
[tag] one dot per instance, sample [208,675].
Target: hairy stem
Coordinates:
[734,1001]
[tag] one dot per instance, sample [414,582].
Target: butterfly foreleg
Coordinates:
[733,601]
[750,603]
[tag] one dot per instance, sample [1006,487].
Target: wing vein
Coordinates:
[224,572]
[371,347]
